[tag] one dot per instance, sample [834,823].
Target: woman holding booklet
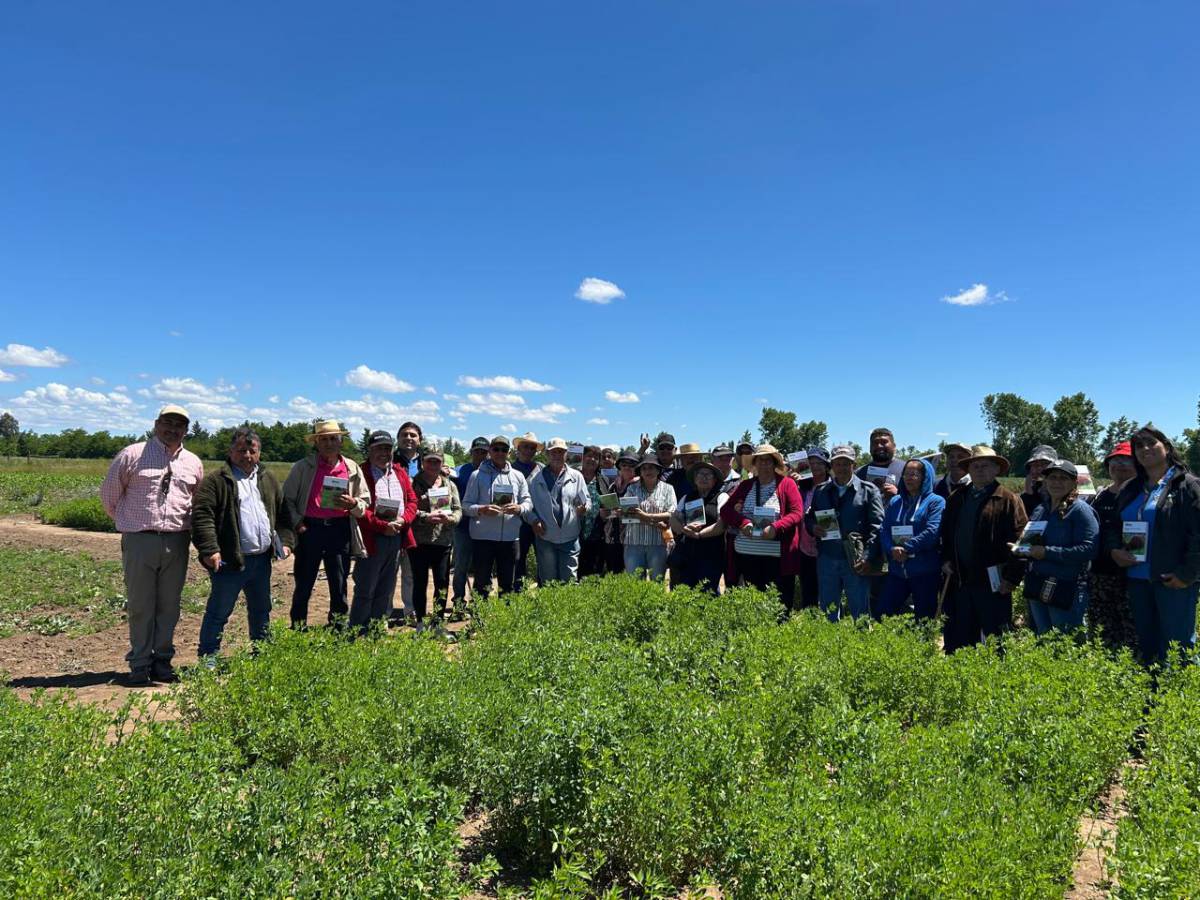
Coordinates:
[767,513]
[1108,615]
[439,510]
[1157,541]
[697,526]
[1062,539]
[911,540]
[645,510]
[591,536]
[386,530]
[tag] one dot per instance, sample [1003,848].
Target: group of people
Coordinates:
[879,539]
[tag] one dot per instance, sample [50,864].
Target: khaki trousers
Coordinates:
[155,570]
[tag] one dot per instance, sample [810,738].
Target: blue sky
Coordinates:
[387,211]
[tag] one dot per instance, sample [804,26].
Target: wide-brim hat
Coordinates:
[324,427]
[528,438]
[769,450]
[650,459]
[954,445]
[1042,451]
[980,451]
[696,467]
[627,458]
[689,449]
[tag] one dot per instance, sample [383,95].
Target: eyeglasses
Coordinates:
[165,484]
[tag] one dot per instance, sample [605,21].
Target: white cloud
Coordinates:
[215,406]
[274,398]
[597,421]
[976,295]
[24,355]
[510,428]
[175,333]
[366,412]
[618,397]
[599,291]
[371,380]
[459,427]
[508,406]
[942,434]
[121,388]
[55,406]
[504,383]
[96,380]
[7,376]
[761,401]
[429,389]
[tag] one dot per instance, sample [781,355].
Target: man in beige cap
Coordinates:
[148,492]
[325,494]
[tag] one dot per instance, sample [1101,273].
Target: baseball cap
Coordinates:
[381,437]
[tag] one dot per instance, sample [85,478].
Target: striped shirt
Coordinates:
[387,484]
[662,500]
[761,496]
[133,490]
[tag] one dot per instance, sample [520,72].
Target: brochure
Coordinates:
[387,508]
[994,578]
[901,535]
[502,494]
[1135,538]
[333,487]
[629,501]
[760,518]
[828,519]
[575,450]
[610,474]
[608,501]
[439,499]
[1034,535]
[1087,487]
[793,458]
[693,512]
[880,473]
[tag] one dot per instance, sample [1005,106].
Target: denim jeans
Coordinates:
[556,562]
[1045,616]
[650,557]
[462,565]
[1162,615]
[893,599]
[834,575]
[224,586]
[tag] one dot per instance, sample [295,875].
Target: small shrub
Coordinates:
[86,514]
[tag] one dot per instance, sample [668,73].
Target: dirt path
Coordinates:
[93,665]
[1098,833]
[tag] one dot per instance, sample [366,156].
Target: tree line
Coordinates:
[1016,425]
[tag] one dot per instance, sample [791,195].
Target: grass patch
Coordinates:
[51,591]
[86,514]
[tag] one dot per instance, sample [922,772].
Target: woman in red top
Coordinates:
[767,513]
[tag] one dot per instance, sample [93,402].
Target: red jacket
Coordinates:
[372,525]
[787,526]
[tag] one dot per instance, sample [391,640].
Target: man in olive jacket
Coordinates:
[239,523]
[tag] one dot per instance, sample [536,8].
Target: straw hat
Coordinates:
[768,450]
[324,427]
[689,449]
[528,438]
[980,451]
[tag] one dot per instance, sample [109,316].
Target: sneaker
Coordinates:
[163,672]
[140,677]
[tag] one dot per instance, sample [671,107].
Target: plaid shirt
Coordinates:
[133,490]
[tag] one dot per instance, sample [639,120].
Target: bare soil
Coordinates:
[93,665]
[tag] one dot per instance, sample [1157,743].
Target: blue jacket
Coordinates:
[924,514]
[862,512]
[461,476]
[1071,542]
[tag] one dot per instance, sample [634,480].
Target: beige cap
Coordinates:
[556,444]
[172,409]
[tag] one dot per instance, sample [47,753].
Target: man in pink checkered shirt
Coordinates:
[148,492]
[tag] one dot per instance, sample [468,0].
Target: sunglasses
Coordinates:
[165,484]
[499,449]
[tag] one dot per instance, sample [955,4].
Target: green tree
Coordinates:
[9,426]
[1076,429]
[1017,425]
[1118,430]
[779,428]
